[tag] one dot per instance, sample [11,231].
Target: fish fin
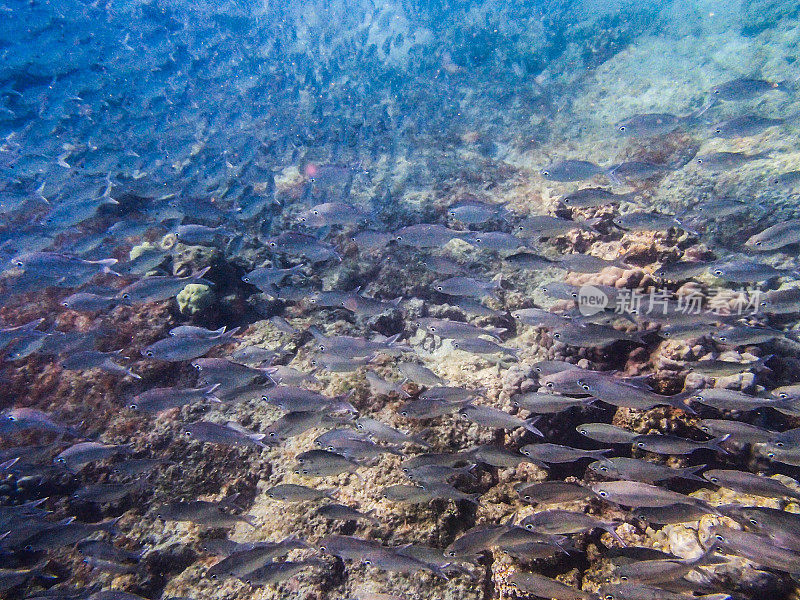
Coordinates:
[9,463]
[106,265]
[690,473]
[209,392]
[716,443]
[529,425]
[612,531]
[612,175]
[250,520]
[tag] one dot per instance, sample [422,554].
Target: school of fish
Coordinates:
[151,274]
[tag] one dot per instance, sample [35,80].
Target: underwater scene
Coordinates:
[400,300]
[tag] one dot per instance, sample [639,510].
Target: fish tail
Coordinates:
[208,391]
[679,401]
[106,264]
[716,443]
[529,425]
[612,531]
[612,176]
[690,473]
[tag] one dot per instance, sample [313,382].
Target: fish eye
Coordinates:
[783,396]
[439,288]
[65,304]
[187,433]
[149,353]
[770,455]
[723,338]
[126,296]
[273,245]
[608,597]
[323,548]
[666,334]
[557,336]
[399,238]
[705,429]
[63,461]
[133,406]
[699,161]
[624,578]
[717,130]
[451,553]
[753,522]
[713,479]
[779,444]
[12,418]
[622,128]
[585,387]
[321,348]
[604,469]
[529,526]
[719,538]
[19,263]
[545,172]
[314,212]
[272,434]
[640,444]
[549,385]
[403,413]
[246,279]
[602,494]
[758,243]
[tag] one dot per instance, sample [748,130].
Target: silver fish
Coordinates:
[744,126]
[670,444]
[556,453]
[605,433]
[488,416]
[78,455]
[215,433]
[291,492]
[637,494]
[159,399]
[93,359]
[445,328]
[561,522]
[570,170]
[775,237]
[750,483]
[179,348]
[549,492]
[466,286]
[426,235]
[155,288]
[640,470]
[275,572]
[201,512]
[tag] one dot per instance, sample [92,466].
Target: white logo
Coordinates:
[591,300]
